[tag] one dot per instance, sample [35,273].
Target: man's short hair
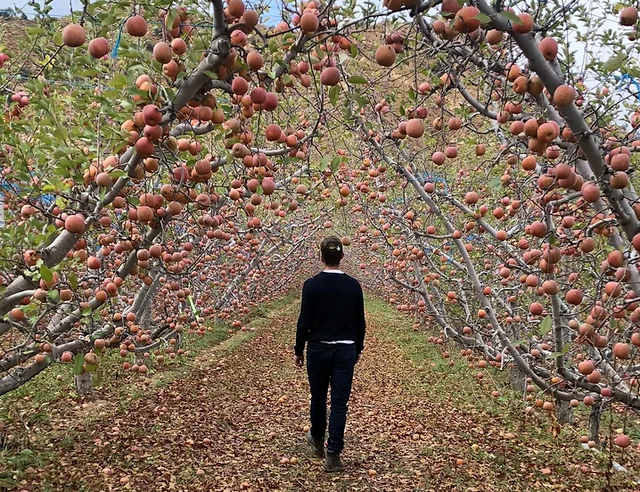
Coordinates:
[332,250]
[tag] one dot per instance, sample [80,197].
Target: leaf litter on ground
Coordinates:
[236,422]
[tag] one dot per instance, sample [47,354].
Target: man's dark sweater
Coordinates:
[332,309]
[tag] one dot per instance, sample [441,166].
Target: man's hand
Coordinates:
[299,361]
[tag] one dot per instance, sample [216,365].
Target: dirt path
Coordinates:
[234,420]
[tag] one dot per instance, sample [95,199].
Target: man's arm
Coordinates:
[302,331]
[360,323]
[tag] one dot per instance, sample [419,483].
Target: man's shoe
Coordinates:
[316,444]
[333,463]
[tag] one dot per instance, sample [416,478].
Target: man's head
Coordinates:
[331,250]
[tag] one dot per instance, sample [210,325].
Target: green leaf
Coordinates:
[78,360]
[210,74]
[61,132]
[108,95]
[90,72]
[170,93]
[335,164]
[357,79]
[634,72]
[46,273]
[170,18]
[97,379]
[513,18]
[35,30]
[129,53]
[138,92]
[324,162]
[545,325]
[73,280]
[447,15]
[353,50]
[361,100]
[118,173]
[348,113]
[333,95]
[614,63]
[91,368]
[565,349]
[483,18]
[496,184]
[119,81]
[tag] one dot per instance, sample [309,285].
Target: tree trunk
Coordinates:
[564,412]
[84,384]
[518,379]
[594,423]
[146,315]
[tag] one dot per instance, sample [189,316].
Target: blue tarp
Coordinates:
[46,199]
[434,178]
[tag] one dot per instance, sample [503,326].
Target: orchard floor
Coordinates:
[414,423]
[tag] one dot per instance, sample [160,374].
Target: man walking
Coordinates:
[332,323]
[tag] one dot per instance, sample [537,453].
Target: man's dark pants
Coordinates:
[330,364]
